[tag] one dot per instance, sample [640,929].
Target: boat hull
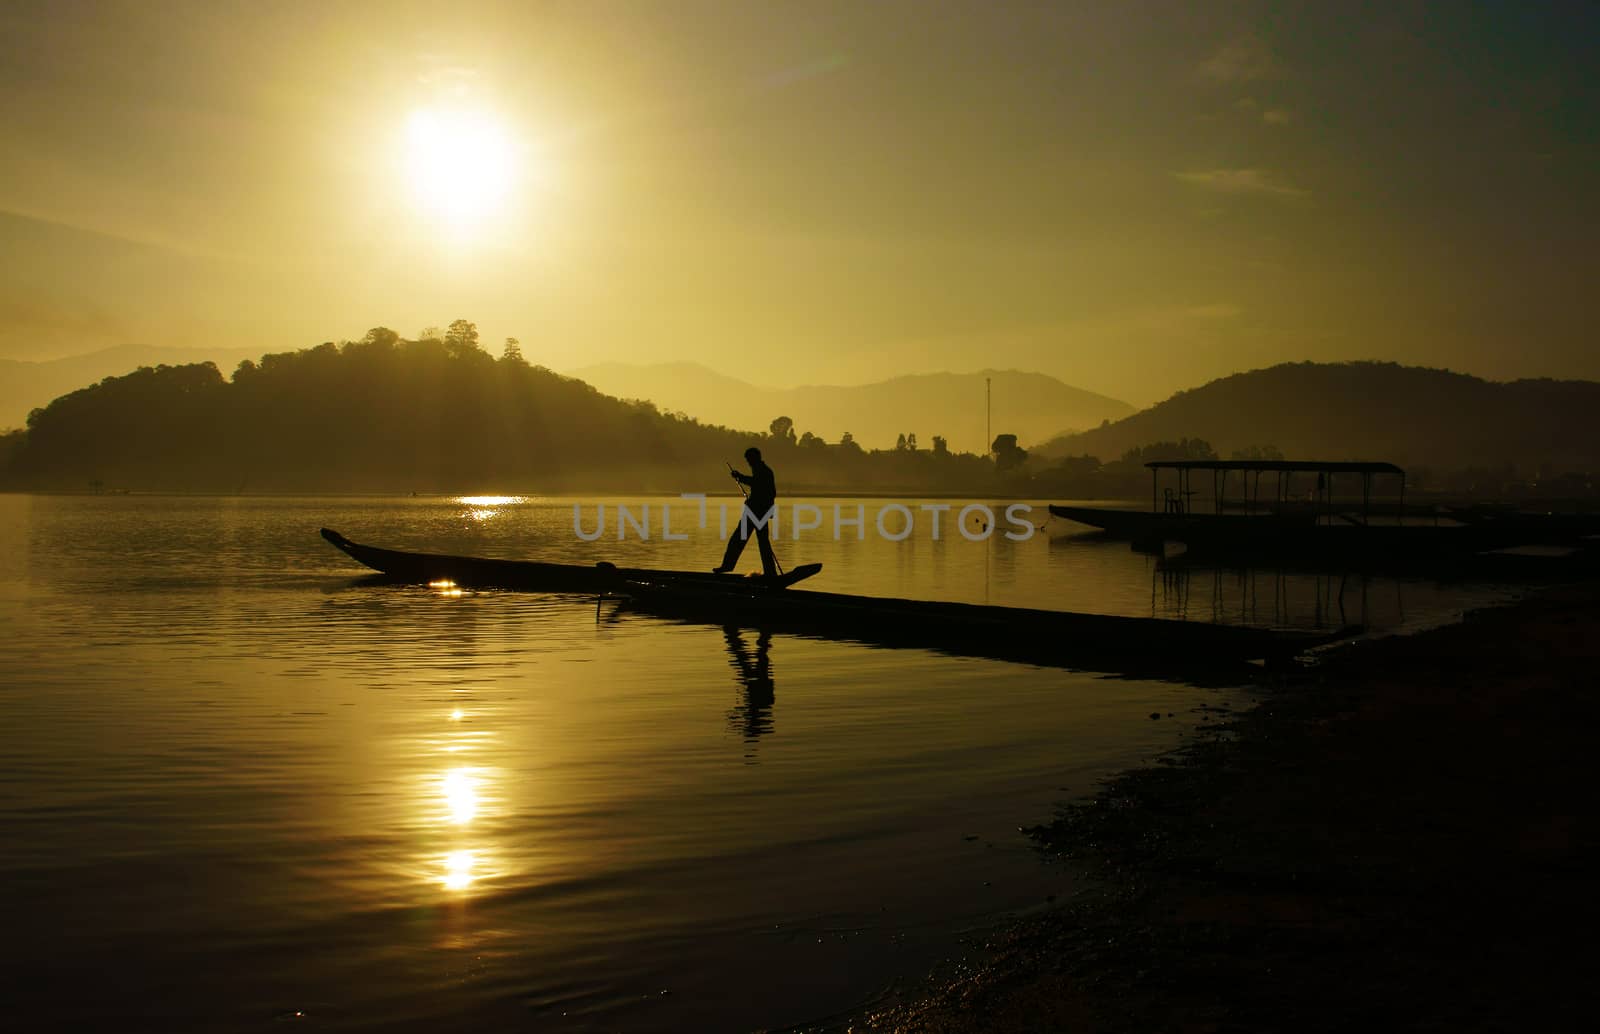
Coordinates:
[1540,529]
[1044,637]
[536,576]
[1144,526]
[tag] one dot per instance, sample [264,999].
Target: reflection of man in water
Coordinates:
[762,499]
[755,678]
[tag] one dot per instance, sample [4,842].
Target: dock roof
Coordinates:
[1320,466]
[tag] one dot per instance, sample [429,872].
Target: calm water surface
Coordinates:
[243,785]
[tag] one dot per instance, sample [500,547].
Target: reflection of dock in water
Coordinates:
[1276,598]
[752,717]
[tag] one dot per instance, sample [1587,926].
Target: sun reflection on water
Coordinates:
[458,870]
[459,803]
[488,500]
[485,507]
[460,795]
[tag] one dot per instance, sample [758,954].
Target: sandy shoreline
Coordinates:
[1396,836]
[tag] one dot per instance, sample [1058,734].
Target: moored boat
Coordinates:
[1147,525]
[1048,637]
[1287,527]
[1531,527]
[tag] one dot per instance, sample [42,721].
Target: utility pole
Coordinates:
[988,414]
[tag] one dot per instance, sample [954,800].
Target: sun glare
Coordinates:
[460,164]
[458,873]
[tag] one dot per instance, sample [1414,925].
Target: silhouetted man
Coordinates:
[762,500]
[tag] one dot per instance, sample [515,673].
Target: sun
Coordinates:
[460,164]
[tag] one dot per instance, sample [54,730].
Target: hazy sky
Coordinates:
[1132,197]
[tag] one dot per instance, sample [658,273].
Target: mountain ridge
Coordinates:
[1368,409]
[1034,406]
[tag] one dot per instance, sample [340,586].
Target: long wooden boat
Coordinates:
[538,576]
[1492,528]
[1044,637]
[1048,637]
[1267,539]
[1145,525]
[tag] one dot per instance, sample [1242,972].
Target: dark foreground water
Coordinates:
[243,786]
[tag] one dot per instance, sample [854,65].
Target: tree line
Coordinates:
[439,413]
[434,413]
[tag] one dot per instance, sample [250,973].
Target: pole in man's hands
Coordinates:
[735,475]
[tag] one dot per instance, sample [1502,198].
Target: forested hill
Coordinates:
[432,415]
[25,385]
[1369,410]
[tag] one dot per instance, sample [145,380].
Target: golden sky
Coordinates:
[1132,197]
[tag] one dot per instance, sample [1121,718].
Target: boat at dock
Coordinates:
[1288,527]
[1044,637]
[1531,527]
[1142,525]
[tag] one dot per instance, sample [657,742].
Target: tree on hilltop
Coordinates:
[462,338]
[1007,453]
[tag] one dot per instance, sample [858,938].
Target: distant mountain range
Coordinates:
[1031,406]
[1413,416]
[1409,415]
[26,385]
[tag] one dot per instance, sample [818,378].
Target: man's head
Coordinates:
[753,454]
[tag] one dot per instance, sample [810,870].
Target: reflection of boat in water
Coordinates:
[1050,637]
[1319,528]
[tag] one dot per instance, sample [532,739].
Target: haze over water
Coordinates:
[245,783]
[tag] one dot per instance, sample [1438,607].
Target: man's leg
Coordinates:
[730,556]
[769,560]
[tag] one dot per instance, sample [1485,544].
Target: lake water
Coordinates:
[243,785]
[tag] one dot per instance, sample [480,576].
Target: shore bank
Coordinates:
[1397,836]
